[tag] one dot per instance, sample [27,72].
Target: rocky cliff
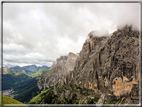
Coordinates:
[70,63]
[59,69]
[106,71]
[59,60]
[109,65]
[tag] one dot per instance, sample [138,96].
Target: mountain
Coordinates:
[58,60]
[30,68]
[43,67]
[106,72]
[58,70]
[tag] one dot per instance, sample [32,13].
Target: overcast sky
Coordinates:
[39,33]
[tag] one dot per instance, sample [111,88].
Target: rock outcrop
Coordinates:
[59,69]
[59,60]
[70,63]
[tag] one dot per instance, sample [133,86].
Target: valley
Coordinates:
[21,85]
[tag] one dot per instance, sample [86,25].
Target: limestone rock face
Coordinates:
[59,69]
[58,60]
[70,63]
[108,64]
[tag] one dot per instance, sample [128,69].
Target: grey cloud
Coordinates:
[53,29]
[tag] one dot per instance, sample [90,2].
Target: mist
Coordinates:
[128,14]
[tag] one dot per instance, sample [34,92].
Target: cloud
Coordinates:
[39,33]
[128,14]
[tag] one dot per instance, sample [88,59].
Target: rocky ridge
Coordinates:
[58,70]
[106,72]
[109,65]
[62,59]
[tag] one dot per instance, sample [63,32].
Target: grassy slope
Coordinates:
[39,73]
[33,75]
[8,100]
[39,97]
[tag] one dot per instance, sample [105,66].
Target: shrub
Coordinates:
[133,40]
[127,38]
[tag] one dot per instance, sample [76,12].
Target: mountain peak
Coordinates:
[30,68]
[126,31]
[58,70]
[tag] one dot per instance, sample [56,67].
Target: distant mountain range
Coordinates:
[30,68]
